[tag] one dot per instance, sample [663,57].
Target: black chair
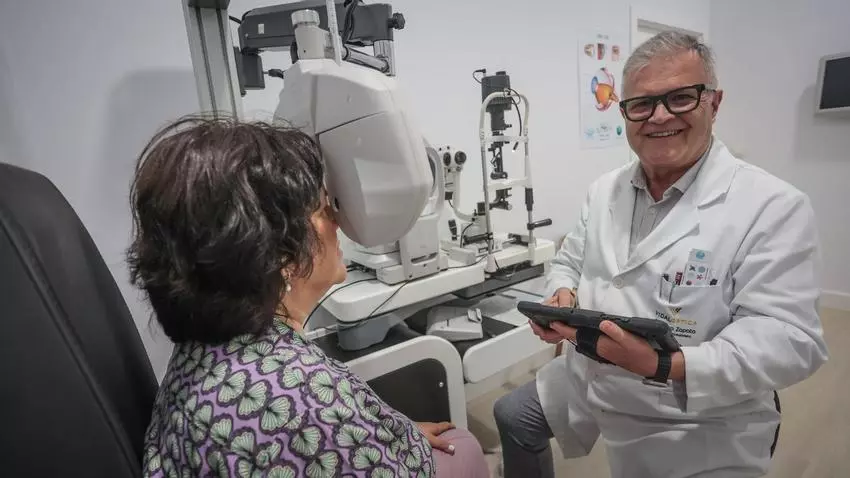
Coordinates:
[76,386]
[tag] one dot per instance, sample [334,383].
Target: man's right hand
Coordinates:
[561,298]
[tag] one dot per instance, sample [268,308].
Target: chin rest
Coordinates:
[77,385]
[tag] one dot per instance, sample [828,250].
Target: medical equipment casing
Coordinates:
[378,177]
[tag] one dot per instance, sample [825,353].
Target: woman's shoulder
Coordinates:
[280,398]
[242,377]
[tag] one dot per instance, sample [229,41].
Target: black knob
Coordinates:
[447,159]
[460,157]
[276,73]
[397,21]
[542,223]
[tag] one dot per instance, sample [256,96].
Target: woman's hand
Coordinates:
[432,432]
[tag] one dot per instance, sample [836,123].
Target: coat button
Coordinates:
[618,283]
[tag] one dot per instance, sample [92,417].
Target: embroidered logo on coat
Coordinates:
[682,326]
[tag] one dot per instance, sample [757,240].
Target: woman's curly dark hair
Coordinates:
[220,207]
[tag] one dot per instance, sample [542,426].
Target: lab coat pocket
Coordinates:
[665,289]
[693,312]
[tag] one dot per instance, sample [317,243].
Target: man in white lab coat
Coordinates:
[721,250]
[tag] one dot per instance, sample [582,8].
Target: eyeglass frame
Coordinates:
[700,87]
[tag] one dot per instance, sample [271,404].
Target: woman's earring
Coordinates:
[288,287]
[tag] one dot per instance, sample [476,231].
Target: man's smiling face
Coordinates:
[666,141]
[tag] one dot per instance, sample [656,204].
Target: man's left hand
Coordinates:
[619,347]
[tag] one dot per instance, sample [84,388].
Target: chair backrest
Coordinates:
[76,386]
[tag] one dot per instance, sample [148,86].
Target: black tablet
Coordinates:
[656,332]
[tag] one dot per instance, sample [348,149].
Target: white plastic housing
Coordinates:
[312,41]
[378,175]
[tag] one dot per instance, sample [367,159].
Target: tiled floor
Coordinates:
[814,440]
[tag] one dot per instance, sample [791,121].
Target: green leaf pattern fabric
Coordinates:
[275,406]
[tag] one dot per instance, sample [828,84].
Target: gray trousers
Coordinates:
[524,434]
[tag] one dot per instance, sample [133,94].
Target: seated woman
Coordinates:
[234,245]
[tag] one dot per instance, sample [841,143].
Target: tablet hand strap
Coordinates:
[586,339]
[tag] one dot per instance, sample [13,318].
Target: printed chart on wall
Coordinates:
[600,67]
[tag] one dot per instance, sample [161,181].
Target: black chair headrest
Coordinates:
[78,387]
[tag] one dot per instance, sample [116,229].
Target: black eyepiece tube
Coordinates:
[476,238]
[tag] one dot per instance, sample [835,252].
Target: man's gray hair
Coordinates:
[666,44]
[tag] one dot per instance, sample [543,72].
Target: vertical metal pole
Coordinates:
[333,28]
[483,133]
[385,49]
[210,44]
[484,162]
[532,242]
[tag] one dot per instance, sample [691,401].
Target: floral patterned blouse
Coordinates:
[275,406]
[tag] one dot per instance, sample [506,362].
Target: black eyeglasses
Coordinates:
[678,101]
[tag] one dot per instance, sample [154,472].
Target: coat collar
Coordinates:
[711,183]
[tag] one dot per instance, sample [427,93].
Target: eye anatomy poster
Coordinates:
[601,57]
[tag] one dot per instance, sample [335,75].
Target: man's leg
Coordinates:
[524,433]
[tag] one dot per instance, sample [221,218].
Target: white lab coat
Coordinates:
[756,331]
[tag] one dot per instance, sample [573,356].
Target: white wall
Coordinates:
[80,95]
[768,55]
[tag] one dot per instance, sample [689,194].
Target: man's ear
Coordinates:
[715,103]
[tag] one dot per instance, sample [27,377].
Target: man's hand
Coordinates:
[547,335]
[619,347]
[561,298]
[432,432]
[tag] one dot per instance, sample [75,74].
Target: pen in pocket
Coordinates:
[674,285]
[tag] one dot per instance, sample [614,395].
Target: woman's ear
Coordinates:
[287,280]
